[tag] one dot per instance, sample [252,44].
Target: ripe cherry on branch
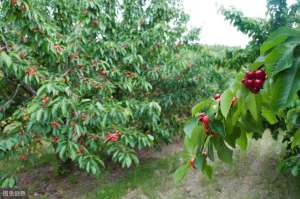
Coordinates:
[31,71]
[113,137]
[254,80]
[192,163]
[58,48]
[55,139]
[217,97]
[23,157]
[55,125]
[45,100]
[204,119]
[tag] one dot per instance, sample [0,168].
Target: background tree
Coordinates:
[265,97]
[91,80]
[278,14]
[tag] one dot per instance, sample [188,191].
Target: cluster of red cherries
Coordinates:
[113,137]
[254,80]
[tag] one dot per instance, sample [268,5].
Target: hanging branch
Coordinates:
[25,87]
[7,104]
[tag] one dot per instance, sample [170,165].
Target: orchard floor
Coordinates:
[252,176]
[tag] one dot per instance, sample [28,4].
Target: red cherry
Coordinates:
[45,100]
[55,139]
[205,121]
[255,90]
[260,74]
[250,83]
[23,157]
[250,75]
[55,125]
[201,115]
[113,137]
[259,83]
[192,163]
[217,97]
[81,142]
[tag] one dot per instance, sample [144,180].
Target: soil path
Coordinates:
[253,176]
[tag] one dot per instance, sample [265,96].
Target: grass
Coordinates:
[13,165]
[148,178]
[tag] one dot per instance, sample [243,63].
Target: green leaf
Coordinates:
[61,151]
[217,127]
[286,86]
[278,37]
[181,172]
[199,161]
[4,58]
[272,42]
[242,141]
[224,153]
[33,108]
[292,118]
[12,128]
[226,102]
[296,140]
[200,106]
[232,137]
[250,125]
[39,114]
[188,129]
[8,182]
[251,104]
[273,56]
[258,63]
[295,170]
[208,170]
[285,61]
[64,108]
[197,138]
[72,150]
[211,154]
[269,115]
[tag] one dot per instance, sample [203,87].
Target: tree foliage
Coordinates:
[278,14]
[91,79]
[250,106]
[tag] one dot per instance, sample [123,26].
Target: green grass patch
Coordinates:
[13,165]
[148,177]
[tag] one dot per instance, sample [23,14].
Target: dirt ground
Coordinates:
[253,176]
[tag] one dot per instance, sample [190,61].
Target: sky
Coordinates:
[214,29]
